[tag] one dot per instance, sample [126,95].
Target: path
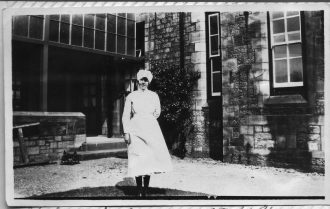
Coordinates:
[194,175]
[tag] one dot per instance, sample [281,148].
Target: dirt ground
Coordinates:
[193,175]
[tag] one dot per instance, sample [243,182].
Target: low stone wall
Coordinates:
[284,141]
[46,142]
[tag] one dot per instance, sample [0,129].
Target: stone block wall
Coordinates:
[260,128]
[198,145]
[47,141]
[179,39]
[314,24]
[280,141]
[245,77]
[162,38]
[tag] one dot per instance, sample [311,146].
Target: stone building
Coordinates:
[76,63]
[273,87]
[259,100]
[67,64]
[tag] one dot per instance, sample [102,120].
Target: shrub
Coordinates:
[175,86]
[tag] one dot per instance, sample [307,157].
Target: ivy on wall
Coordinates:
[174,86]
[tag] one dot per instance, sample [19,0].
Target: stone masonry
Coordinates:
[164,41]
[47,141]
[245,76]
[260,128]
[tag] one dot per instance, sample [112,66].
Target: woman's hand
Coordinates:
[127,138]
[156,114]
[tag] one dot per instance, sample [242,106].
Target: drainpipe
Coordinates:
[181,35]
[246,15]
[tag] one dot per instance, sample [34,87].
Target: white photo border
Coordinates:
[9,9]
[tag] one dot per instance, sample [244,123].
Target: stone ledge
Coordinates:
[318,154]
[32,113]
[286,99]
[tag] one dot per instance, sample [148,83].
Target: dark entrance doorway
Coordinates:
[91,100]
[26,65]
[74,85]
[77,81]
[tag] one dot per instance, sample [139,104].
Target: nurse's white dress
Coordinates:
[147,153]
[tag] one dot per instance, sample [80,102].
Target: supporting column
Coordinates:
[44,69]
[104,102]
[116,102]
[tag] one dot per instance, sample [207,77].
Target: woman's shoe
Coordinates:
[139,193]
[144,192]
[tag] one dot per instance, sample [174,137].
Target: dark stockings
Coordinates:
[142,190]
[146,180]
[138,180]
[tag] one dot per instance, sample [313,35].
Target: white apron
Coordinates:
[147,153]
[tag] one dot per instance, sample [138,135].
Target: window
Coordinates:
[21,25]
[100,31]
[131,82]
[17,90]
[140,39]
[131,34]
[36,27]
[54,24]
[286,46]
[214,35]
[64,29]
[213,54]
[126,34]
[90,92]
[111,33]
[115,33]
[77,30]
[31,26]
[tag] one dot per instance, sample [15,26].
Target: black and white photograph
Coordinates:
[125,105]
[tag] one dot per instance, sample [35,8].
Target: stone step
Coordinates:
[102,143]
[103,146]
[97,154]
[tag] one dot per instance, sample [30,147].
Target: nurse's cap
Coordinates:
[144,74]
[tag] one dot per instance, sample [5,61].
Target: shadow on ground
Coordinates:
[119,192]
[125,189]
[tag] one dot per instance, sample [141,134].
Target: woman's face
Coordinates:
[143,83]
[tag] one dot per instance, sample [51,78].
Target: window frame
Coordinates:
[212,79]
[128,38]
[62,23]
[17,87]
[96,30]
[28,32]
[72,25]
[210,58]
[286,43]
[293,89]
[217,34]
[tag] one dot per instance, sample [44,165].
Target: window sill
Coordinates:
[286,99]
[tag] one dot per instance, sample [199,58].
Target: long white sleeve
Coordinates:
[127,114]
[157,106]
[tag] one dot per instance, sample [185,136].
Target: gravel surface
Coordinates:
[194,175]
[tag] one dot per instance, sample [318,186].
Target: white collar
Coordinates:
[143,91]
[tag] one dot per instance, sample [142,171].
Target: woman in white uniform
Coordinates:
[147,150]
